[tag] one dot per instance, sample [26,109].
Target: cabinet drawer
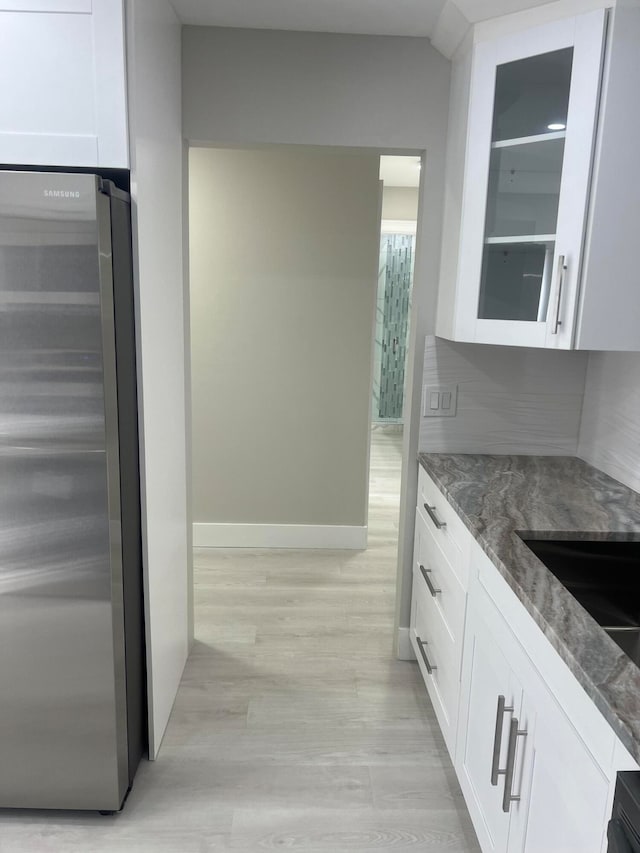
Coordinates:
[435,628]
[447,528]
[436,651]
[440,583]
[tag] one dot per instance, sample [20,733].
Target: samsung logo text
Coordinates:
[61,194]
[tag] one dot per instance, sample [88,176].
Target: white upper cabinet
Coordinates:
[63,100]
[533,110]
[538,239]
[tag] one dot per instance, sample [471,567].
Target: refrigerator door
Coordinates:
[62,703]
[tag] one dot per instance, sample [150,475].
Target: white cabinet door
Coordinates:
[491,696]
[63,102]
[563,791]
[530,782]
[533,106]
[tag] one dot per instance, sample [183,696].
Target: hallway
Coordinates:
[305,731]
[294,727]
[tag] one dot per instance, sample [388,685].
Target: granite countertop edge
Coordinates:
[608,676]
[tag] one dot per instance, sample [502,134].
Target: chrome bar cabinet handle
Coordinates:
[431,667]
[431,512]
[503,708]
[425,575]
[508,796]
[562,268]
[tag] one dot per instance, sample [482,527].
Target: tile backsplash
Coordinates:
[510,399]
[610,430]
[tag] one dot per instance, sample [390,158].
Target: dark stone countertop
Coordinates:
[495,496]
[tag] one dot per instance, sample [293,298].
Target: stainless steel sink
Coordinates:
[604,577]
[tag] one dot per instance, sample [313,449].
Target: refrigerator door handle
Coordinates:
[107,315]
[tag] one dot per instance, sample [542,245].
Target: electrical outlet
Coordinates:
[439,401]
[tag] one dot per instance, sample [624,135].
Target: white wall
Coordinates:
[157,195]
[283,259]
[610,430]
[510,399]
[400,203]
[249,87]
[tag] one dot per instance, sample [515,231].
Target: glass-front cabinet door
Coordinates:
[532,119]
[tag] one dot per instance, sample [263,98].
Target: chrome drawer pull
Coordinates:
[431,667]
[514,734]
[431,512]
[497,740]
[425,575]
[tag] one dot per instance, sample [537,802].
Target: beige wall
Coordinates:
[283,255]
[400,203]
[244,87]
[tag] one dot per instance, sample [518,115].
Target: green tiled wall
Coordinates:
[392,322]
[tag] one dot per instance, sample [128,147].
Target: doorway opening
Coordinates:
[400,182]
[284,271]
[400,178]
[287,301]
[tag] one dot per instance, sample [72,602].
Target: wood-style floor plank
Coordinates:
[364,831]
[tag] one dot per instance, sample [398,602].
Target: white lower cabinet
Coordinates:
[536,760]
[530,782]
[484,727]
[437,625]
[438,662]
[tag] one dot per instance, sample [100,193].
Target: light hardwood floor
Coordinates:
[294,727]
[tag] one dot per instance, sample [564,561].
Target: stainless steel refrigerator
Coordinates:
[72,676]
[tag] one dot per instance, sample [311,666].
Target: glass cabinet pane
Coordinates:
[515,281]
[524,189]
[532,95]
[525,173]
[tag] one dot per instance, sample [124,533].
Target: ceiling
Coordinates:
[400,171]
[367,17]
[371,17]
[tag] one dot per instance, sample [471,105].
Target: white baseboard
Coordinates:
[404,649]
[334,537]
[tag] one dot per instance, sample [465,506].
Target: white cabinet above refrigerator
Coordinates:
[63,99]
